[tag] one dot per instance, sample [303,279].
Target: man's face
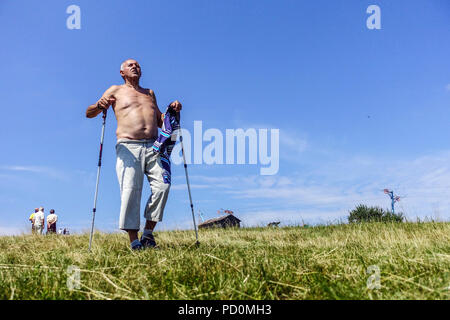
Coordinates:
[131,69]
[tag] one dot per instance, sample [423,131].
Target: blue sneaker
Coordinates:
[137,246]
[148,241]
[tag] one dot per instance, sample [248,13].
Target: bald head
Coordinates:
[122,65]
[130,69]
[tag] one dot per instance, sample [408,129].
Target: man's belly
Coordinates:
[137,133]
[136,122]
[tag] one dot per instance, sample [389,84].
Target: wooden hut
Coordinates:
[221,222]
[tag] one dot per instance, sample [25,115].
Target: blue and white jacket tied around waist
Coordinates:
[165,142]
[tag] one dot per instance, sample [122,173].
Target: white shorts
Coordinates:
[136,159]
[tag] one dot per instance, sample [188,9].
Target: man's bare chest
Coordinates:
[134,99]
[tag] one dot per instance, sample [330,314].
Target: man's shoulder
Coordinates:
[150,91]
[114,88]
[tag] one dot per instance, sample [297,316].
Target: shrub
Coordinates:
[363,213]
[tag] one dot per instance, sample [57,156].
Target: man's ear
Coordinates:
[122,73]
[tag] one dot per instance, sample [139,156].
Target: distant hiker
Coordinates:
[60,231]
[31,219]
[138,118]
[51,222]
[39,218]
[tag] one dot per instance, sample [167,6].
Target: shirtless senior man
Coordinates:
[138,118]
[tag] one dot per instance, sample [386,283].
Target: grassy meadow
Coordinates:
[323,262]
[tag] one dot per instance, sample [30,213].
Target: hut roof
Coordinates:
[219,219]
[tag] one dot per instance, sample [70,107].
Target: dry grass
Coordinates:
[326,262]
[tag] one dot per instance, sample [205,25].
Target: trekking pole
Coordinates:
[98,178]
[187,181]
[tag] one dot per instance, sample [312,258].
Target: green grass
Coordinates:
[326,262]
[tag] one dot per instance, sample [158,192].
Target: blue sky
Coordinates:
[358,110]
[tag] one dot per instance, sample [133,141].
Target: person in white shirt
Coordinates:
[38,221]
[51,222]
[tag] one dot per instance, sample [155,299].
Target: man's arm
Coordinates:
[159,115]
[176,105]
[103,103]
